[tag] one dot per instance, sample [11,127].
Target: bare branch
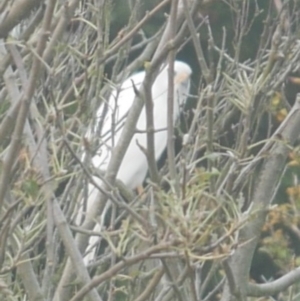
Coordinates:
[274,166]
[171,99]
[19,10]
[274,287]
[25,104]
[120,265]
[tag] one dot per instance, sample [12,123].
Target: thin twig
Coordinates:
[97,280]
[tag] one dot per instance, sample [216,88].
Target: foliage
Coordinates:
[191,235]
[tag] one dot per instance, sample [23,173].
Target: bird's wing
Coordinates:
[111,117]
[110,121]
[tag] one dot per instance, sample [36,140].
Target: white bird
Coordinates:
[112,116]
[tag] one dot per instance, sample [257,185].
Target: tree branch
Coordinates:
[274,287]
[19,11]
[119,266]
[171,99]
[25,104]
[274,166]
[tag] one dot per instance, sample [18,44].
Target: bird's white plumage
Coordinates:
[133,168]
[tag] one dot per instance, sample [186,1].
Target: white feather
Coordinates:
[133,169]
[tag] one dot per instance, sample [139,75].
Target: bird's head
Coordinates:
[182,79]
